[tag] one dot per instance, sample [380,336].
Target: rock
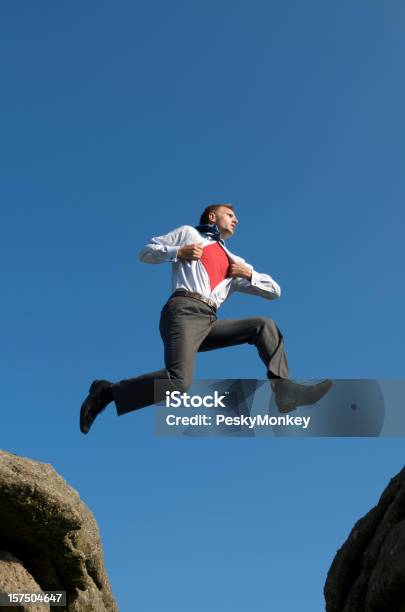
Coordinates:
[47,529]
[368,572]
[14,578]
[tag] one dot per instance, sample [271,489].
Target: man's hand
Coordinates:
[190,252]
[241,270]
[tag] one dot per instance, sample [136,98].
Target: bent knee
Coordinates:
[269,328]
[180,384]
[266,322]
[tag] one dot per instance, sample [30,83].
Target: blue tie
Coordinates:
[211,230]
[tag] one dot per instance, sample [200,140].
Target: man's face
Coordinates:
[225,219]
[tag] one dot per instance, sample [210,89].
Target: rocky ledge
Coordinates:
[368,572]
[49,539]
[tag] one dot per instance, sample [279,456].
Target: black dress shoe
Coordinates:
[99,396]
[290,395]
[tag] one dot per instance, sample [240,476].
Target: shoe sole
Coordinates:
[83,428]
[92,389]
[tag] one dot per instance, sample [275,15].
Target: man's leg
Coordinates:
[259,331]
[265,335]
[184,324]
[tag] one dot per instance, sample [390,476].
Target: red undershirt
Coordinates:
[216,262]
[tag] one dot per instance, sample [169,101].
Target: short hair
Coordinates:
[211,208]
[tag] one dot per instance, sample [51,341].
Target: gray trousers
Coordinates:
[187,326]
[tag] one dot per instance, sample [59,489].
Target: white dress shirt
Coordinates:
[192,275]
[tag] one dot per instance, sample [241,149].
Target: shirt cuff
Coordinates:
[255,279]
[172,253]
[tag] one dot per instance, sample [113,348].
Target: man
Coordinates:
[204,274]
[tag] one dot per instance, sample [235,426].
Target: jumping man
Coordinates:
[204,274]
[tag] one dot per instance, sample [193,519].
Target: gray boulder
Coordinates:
[49,537]
[368,572]
[14,578]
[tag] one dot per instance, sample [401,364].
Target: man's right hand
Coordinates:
[190,252]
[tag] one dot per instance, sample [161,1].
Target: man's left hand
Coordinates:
[237,269]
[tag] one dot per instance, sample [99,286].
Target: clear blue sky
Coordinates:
[123,120]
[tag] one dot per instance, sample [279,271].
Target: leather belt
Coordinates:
[195,296]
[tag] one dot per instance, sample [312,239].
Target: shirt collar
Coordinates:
[211,230]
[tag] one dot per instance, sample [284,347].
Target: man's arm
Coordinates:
[247,280]
[171,247]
